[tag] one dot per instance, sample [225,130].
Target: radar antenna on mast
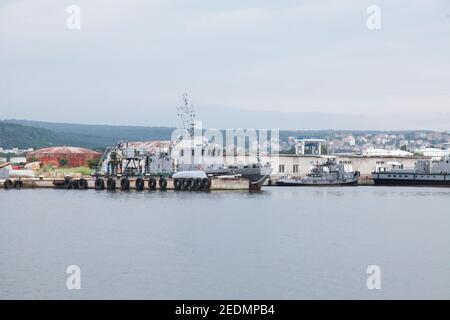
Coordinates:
[187,114]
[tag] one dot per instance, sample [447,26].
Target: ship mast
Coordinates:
[187,115]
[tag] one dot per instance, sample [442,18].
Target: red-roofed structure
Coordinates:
[74,156]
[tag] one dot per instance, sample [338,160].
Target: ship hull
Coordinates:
[256,176]
[418,183]
[256,181]
[432,180]
[324,184]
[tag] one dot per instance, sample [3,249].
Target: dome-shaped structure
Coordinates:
[70,156]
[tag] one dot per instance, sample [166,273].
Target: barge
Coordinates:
[424,173]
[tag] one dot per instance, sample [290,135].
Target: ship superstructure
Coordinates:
[329,173]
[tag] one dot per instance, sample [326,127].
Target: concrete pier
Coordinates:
[365,180]
[217,183]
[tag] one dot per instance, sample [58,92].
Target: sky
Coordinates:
[242,62]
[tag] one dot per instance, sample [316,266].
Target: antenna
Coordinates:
[187,114]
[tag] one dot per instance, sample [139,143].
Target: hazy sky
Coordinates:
[131,60]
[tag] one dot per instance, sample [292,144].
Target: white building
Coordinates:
[15,150]
[309,146]
[16,160]
[433,152]
[371,152]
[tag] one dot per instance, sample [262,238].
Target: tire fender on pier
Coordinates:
[18,184]
[162,183]
[8,184]
[198,184]
[125,184]
[74,184]
[186,184]
[152,184]
[82,184]
[177,184]
[192,184]
[67,183]
[206,183]
[139,184]
[99,184]
[111,184]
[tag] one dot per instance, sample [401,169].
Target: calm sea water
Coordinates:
[281,243]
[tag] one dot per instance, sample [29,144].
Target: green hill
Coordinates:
[20,136]
[15,135]
[36,134]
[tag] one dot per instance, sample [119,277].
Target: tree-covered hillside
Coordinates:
[34,134]
[100,135]
[15,135]
[22,137]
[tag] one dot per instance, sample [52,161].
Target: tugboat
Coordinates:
[329,173]
[425,173]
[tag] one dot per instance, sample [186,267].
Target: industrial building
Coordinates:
[70,156]
[286,164]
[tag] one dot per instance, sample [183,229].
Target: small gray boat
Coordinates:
[329,173]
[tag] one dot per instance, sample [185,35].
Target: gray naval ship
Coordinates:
[256,173]
[329,173]
[425,173]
